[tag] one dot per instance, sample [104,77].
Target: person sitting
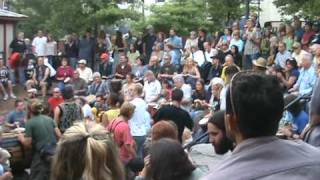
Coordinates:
[40,77]
[167,70]
[299,118]
[96,156]
[79,85]
[55,100]
[260,65]
[152,88]
[17,118]
[215,69]
[291,74]
[84,71]
[139,69]
[168,161]
[179,83]
[307,77]
[85,107]
[298,52]
[228,62]
[282,55]
[311,134]
[125,88]
[199,94]
[64,73]
[254,108]
[123,68]
[154,65]
[99,107]
[114,109]
[198,56]
[105,67]
[98,86]
[5,82]
[190,72]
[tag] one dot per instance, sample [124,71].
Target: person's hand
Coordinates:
[20,136]
[143,173]
[7,176]
[291,90]
[279,75]
[286,131]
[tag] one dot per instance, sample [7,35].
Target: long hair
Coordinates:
[85,151]
[168,161]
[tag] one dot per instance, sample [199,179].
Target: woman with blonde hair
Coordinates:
[87,152]
[191,72]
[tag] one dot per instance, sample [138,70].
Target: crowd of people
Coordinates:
[130,105]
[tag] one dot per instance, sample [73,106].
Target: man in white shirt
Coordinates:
[140,122]
[187,92]
[208,51]
[283,55]
[298,53]
[152,88]
[39,44]
[197,55]
[84,72]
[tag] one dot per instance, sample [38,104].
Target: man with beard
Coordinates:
[217,133]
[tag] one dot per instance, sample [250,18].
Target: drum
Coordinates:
[20,157]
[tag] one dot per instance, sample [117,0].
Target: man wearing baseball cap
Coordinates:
[105,66]
[84,71]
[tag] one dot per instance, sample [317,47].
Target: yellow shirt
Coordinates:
[112,114]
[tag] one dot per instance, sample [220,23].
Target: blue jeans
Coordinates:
[73,62]
[61,85]
[249,59]
[21,74]
[139,142]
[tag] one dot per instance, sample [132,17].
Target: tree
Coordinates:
[61,17]
[188,15]
[305,8]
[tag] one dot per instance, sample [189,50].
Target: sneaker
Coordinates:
[13,96]
[5,97]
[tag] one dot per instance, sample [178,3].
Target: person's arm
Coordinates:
[46,75]
[56,115]
[197,74]
[25,140]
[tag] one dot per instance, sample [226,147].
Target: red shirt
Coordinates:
[64,72]
[122,136]
[54,102]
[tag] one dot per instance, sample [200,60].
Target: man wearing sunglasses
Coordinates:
[254,106]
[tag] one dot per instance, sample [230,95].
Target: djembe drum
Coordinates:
[20,157]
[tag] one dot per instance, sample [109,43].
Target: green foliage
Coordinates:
[61,17]
[188,15]
[306,8]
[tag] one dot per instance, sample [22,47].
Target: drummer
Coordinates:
[17,117]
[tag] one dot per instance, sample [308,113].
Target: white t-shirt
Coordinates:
[39,43]
[87,112]
[140,122]
[51,48]
[151,90]
[85,74]
[299,56]
[198,57]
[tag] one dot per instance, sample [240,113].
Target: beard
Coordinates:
[224,146]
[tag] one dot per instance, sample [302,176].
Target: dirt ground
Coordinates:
[7,106]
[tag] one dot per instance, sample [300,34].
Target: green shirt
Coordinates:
[40,129]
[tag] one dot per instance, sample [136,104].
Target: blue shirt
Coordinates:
[17,116]
[176,42]
[300,122]
[306,80]
[281,58]
[239,43]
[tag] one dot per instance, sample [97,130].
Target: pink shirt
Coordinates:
[122,136]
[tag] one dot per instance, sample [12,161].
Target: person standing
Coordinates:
[68,112]
[39,44]
[71,50]
[86,49]
[252,45]
[51,51]
[19,46]
[41,132]
[148,42]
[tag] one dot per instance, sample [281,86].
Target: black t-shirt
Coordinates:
[179,116]
[168,69]
[18,46]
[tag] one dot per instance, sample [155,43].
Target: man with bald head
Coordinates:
[307,78]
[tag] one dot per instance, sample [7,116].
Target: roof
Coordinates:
[9,15]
